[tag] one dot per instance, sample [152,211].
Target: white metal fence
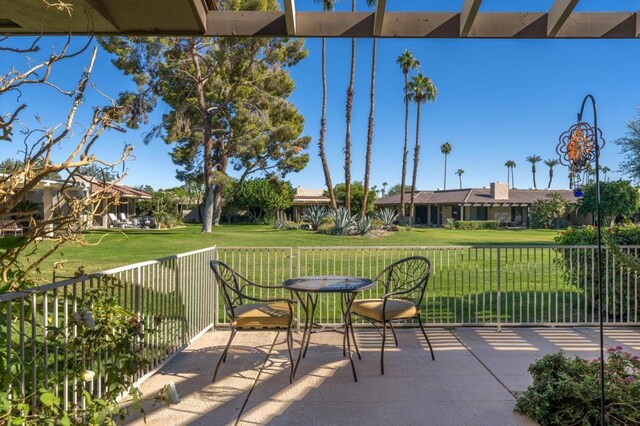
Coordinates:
[173,295]
[482,285]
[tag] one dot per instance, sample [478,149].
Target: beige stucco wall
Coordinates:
[503,214]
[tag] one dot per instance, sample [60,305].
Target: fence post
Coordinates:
[298,301]
[499,295]
[215,291]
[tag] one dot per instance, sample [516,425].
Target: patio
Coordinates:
[474,379]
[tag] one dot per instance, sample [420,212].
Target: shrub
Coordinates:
[548,213]
[342,221]
[617,295]
[450,223]
[315,215]
[476,224]
[364,226]
[387,216]
[566,390]
[284,224]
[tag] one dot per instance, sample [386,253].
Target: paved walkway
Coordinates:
[473,380]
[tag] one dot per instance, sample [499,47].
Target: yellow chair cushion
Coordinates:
[395,309]
[262,315]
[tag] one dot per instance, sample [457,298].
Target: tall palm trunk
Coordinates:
[347,141]
[323,128]
[405,150]
[445,171]
[460,177]
[513,181]
[367,163]
[416,159]
[533,172]
[550,177]
[508,176]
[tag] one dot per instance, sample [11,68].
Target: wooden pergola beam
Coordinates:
[290,16]
[378,19]
[638,23]
[468,15]
[423,24]
[558,14]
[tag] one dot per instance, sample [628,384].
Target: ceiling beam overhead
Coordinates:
[558,14]
[468,15]
[290,16]
[378,20]
[638,23]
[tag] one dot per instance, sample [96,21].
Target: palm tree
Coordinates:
[372,92]
[533,159]
[605,170]
[510,166]
[460,172]
[551,163]
[421,90]
[407,63]
[445,148]
[326,5]
[384,188]
[347,139]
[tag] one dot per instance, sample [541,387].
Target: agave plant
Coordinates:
[315,215]
[343,222]
[387,216]
[364,226]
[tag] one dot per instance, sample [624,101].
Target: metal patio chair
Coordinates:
[250,313]
[405,284]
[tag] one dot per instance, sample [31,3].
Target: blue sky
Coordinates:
[499,100]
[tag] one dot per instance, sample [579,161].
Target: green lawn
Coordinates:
[118,248]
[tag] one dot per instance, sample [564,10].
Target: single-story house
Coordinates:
[498,202]
[305,198]
[123,201]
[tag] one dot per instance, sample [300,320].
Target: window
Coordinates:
[517,215]
[478,213]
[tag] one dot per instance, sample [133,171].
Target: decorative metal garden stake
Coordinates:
[578,147]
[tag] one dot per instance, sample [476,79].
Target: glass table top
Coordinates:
[328,284]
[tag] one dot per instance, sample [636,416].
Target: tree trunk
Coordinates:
[533,171]
[347,141]
[405,150]
[550,178]
[460,176]
[323,129]
[445,171]
[367,164]
[416,158]
[208,141]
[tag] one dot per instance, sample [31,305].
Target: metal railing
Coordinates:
[479,285]
[469,285]
[174,295]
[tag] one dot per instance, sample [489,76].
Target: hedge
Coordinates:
[476,224]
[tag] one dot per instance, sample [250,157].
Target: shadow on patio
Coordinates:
[473,380]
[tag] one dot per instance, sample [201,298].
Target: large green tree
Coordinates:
[263,198]
[533,159]
[227,102]
[551,163]
[510,164]
[630,145]
[407,63]
[357,196]
[445,149]
[617,197]
[395,189]
[348,115]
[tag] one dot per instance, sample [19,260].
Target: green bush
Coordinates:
[476,224]
[566,391]
[619,298]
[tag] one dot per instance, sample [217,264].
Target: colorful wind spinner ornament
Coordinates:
[578,148]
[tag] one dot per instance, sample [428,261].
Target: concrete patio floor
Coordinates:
[473,381]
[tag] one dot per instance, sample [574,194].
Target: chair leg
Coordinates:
[393,330]
[223,357]
[289,344]
[353,337]
[384,340]
[426,337]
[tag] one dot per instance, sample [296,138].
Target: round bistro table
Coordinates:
[312,287]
